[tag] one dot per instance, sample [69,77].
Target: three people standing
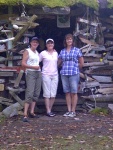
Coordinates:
[71,60]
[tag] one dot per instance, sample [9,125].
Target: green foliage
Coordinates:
[8,2]
[110,3]
[2,119]
[51,3]
[100,111]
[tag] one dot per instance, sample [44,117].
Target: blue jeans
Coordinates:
[70,83]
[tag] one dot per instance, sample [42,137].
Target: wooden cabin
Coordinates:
[91,25]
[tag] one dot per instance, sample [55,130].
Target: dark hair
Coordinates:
[66,37]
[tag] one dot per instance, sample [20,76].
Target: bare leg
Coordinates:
[68,100]
[74,101]
[32,107]
[52,100]
[47,103]
[26,106]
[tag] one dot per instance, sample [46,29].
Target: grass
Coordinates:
[77,142]
[2,119]
[100,111]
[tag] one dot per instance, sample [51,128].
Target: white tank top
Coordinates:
[33,59]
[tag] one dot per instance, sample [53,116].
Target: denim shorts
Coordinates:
[70,83]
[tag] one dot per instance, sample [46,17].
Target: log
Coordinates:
[10,58]
[6,100]
[86,41]
[12,110]
[88,22]
[109,48]
[102,79]
[56,10]
[94,64]
[109,43]
[110,57]
[94,55]
[2,80]
[15,89]
[6,40]
[99,97]
[105,91]
[6,74]
[5,103]
[91,59]
[106,85]
[90,84]
[1,87]
[17,81]
[84,77]
[16,98]
[23,30]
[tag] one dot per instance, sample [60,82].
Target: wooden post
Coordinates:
[9,35]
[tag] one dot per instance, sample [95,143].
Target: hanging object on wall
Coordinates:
[63,21]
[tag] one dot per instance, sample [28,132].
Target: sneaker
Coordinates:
[67,114]
[72,114]
[25,119]
[33,116]
[53,113]
[50,114]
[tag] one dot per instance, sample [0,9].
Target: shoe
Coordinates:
[50,114]
[72,114]
[67,114]
[53,113]
[33,116]
[25,119]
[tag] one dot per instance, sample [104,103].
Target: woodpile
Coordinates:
[11,72]
[97,75]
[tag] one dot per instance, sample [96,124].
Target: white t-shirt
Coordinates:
[49,62]
[33,59]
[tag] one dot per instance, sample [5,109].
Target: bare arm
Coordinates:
[24,62]
[59,62]
[81,62]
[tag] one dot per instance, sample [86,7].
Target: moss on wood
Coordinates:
[110,3]
[51,3]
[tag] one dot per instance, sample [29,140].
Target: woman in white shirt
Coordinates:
[30,62]
[49,59]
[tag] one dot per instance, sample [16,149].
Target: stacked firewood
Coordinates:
[11,72]
[97,74]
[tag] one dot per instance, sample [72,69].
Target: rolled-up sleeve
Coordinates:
[80,53]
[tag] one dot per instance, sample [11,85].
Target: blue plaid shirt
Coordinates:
[70,61]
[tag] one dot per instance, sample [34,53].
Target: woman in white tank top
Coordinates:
[30,62]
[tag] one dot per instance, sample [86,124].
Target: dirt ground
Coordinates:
[84,132]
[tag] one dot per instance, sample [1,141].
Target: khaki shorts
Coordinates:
[33,83]
[49,85]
